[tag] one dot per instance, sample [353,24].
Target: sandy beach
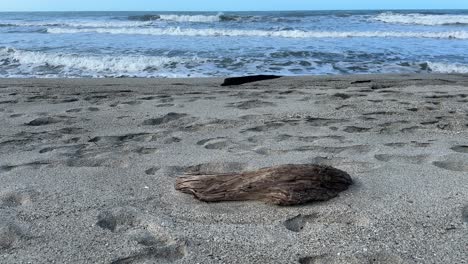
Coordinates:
[88,166]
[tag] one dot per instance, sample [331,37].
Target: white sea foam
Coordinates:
[91,65]
[78,24]
[192,18]
[440,67]
[422,19]
[176,31]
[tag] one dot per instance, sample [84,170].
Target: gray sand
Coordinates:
[87,169]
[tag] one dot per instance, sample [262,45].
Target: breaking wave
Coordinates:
[176,31]
[440,67]
[220,17]
[423,19]
[192,18]
[58,64]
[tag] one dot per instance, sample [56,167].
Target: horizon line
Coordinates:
[286,10]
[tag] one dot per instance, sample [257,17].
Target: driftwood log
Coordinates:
[247,79]
[282,185]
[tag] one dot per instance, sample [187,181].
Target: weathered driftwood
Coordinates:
[282,185]
[247,79]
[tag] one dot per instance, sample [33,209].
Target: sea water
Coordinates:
[203,44]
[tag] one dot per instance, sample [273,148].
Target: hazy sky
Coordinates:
[224,5]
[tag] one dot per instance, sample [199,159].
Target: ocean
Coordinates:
[206,44]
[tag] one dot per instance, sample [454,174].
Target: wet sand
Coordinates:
[87,169]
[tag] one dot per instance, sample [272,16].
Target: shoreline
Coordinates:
[88,168]
[214,81]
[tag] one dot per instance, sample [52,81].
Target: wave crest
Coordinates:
[186,18]
[423,19]
[263,33]
[192,18]
[144,18]
[79,24]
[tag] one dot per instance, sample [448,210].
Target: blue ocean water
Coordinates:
[178,44]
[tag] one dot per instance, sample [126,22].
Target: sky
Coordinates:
[224,5]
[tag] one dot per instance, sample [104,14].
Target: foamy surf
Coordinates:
[191,32]
[157,44]
[440,67]
[61,64]
[422,19]
[77,24]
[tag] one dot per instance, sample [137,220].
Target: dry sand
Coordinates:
[87,169]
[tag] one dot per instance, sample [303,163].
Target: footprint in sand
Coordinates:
[93,109]
[308,139]
[158,245]
[72,140]
[148,98]
[403,144]
[126,138]
[377,258]
[342,96]
[418,159]
[351,150]
[16,198]
[146,151]
[411,129]
[96,157]
[11,233]
[66,100]
[171,140]
[214,143]
[42,121]
[110,151]
[323,122]
[32,165]
[74,110]
[355,129]
[395,144]
[460,149]
[165,105]
[465,214]
[452,165]
[297,223]
[266,127]
[430,122]
[49,120]
[251,104]
[155,255]
[152,171]
[217,167]
[118,219]
[9,102]
[16,115]
[170,117]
